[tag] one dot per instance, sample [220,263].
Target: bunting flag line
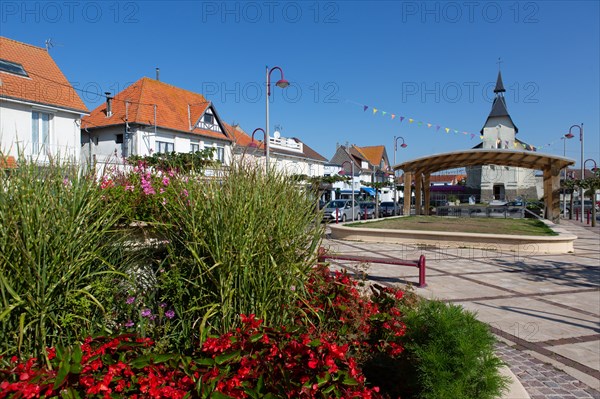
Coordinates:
[401,118]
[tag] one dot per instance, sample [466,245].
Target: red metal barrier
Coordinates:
[588,217]
[420,264]
[336,216]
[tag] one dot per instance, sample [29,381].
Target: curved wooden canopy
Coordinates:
[457,159]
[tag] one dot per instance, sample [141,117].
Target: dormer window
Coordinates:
[12,67]
[208,118]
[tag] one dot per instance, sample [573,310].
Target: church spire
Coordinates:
[499,85]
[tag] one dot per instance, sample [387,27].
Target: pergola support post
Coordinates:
[552,195]
[427,189]
[418,186]
[407,192]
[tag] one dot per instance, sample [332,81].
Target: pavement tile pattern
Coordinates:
[544,308]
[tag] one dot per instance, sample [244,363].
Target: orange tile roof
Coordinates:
[373,154]
[45,84]
[7,162]
[172,111]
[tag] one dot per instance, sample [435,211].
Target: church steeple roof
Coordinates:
[499,85]
[499,109]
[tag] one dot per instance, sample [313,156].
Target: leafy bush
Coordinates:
[58,256]
[448,354]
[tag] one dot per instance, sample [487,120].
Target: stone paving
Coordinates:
[544,308]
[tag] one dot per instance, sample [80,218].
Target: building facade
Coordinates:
[40,112]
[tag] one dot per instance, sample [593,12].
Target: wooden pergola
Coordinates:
[422,168]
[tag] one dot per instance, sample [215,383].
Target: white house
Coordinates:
[502,182]
[40,111]
[149,117]
[288,155]
[365,164]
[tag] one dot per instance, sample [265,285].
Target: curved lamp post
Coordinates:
[565,138]
[280,83]
[252,143]
[580,127]
[403,145]
[343,172]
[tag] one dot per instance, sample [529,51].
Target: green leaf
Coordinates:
[349,381]
[227,357]
[140,362]
[219,395]
[205,361]
[256,337]
[63,370]
[314,343]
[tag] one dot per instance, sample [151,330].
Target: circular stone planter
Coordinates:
[559,244]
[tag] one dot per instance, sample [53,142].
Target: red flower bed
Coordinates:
[319,357]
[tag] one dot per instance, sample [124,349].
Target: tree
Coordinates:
[569,185]
[377,186]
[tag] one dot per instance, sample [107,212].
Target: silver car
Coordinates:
[341,210]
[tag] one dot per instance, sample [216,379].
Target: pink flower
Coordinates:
[165,181]
[170,314]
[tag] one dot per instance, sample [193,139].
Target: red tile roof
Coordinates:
[45,83]
[373,154]
[176,109]
[7,162]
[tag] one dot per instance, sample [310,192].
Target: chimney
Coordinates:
[108,104]
[158,74]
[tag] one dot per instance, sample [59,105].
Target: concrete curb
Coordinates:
[559,244]
[515,389]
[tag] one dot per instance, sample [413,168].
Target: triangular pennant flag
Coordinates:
[411,120]
[374,111]
[455,131]
[428,125]
[401,118]
[393,116]
[365,107]
[472,135]
[437,128]
[515,143]
[383,113]
[481,137]
[447,130]
[465,133]
[420,123]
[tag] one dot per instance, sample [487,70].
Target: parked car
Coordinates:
[388,208]
[515,203]
[367,208]
[342,209]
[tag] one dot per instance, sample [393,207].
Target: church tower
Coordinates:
[499,129]
[495,182]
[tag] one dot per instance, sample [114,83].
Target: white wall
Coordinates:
[16,131]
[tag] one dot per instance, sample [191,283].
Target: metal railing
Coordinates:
[419,264]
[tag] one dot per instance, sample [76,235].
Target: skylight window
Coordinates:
[12,67]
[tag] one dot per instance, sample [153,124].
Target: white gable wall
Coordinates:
[16,131]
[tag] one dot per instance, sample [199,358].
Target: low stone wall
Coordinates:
[559,244]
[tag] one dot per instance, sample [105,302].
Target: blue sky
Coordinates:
[434,62]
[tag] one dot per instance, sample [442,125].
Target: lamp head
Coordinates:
[342,172]
[403,145]
[282,83]
[253,144]
[569,135]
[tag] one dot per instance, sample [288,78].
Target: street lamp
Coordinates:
[280,83]
[343,172]
[580,127]
[252,143]
[565,138]
[403,145]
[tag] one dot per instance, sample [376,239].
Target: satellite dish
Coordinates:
[277,134]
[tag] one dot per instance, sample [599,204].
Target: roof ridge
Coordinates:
[146,78]
[23,43]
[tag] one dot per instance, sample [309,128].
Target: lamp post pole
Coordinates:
[280,83]
[580,127]
[593,190]
[351,182]
[565,138]
[403,145]
[258,129]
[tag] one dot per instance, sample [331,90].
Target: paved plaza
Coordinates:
[545,309]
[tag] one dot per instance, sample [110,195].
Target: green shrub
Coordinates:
[238,244]
[448,354]
[59,255]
